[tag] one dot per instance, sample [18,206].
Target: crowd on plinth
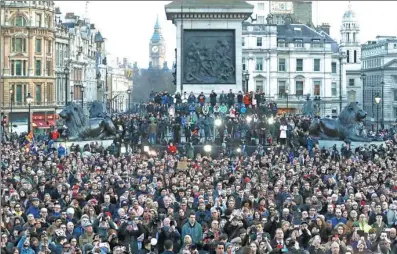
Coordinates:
[287,196]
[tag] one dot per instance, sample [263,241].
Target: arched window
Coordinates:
[19,21]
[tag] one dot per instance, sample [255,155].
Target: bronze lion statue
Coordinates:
[80,127]
[342,128]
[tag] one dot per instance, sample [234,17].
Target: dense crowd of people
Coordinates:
[288,196]
[228,118]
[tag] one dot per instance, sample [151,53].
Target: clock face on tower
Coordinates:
[155,49]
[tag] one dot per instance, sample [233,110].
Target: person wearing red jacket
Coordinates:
[172,149]
[247,99]
[54,134]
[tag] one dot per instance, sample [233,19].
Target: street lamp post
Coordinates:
[66,71]
[129,100]
[377,101]
[29,100]
[11,102]
[382,83]
[247,78]
[287,93]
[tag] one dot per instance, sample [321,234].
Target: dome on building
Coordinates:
[349,15]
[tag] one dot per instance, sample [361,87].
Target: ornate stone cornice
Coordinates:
[208,16]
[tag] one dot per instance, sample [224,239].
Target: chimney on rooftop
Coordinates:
[325,27]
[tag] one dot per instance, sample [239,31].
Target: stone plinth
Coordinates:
[353,145]
[105,143]
[209,43]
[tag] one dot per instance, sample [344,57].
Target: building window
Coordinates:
[48,68]
[38,20]
[38,67]
[348,56]
[18,44]
[316,66]
[38,93]
[299,64]
[258,86]
[18,94]
[298,44]
[261,6]
[49,93]
[354,37]
[19,21]
[261,19]
[395,94]
[243,60]
[333,67]
[49,21]
[18,67]
[299,88]
[243,41]
[38,45]
[281,87]
[351,82]
[49,47]
[281,44]
[259,64]
[333,89]
[281,64]
[259,41]
[316,88]
[352,96]
[317,44]
[355,56]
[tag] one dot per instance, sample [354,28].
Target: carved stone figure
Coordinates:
[308,108]
[209,57]
[342,128]
[80,127]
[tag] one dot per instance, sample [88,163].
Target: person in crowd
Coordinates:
[279,197]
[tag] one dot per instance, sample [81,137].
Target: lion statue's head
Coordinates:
[97,109]
[352,114]
[74,118]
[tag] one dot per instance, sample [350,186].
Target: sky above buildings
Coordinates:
[128,25]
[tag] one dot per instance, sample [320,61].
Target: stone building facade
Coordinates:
[28,63]
[292,61]
[351,47]
[379,64]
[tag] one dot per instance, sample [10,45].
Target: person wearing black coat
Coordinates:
[129,231]
[213,96]
[230,98]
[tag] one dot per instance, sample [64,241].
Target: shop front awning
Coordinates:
[51,122]
[40,124]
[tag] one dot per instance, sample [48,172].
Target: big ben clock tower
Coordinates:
[157,47]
